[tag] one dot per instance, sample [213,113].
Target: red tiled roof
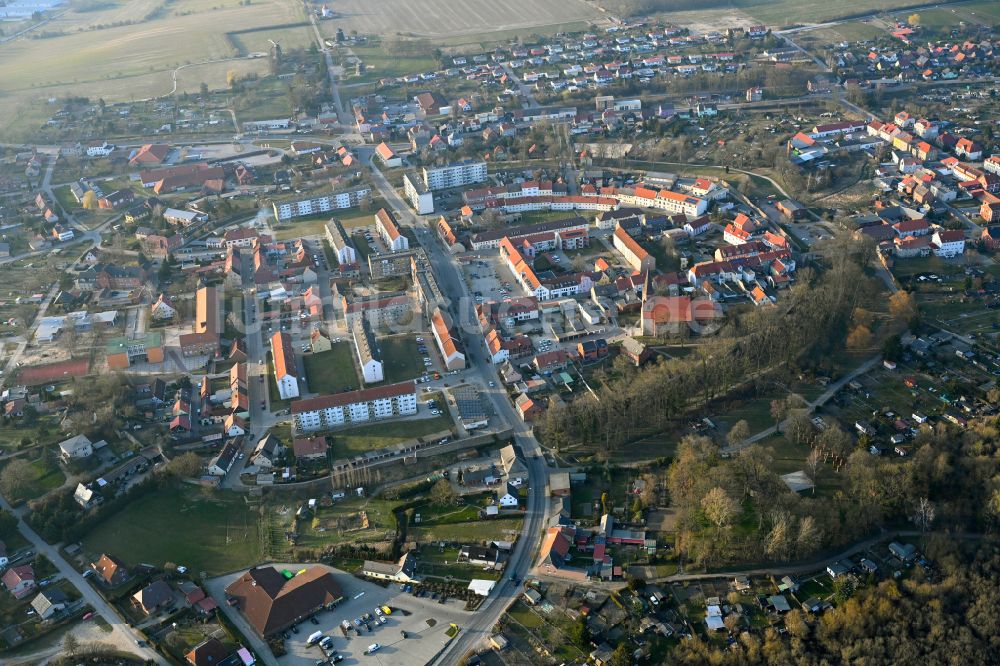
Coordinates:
[350,397]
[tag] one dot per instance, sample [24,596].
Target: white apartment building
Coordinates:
[421,198]
[455,175]
[286,210]
[341,243]
[371,404]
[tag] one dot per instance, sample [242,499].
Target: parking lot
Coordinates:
[489,280]
[424,620]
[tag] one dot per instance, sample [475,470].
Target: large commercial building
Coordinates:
[271,601]
[285,372]
[371,404]
[421,198]
[341,243]
[456,174]
[388,229]
[367,351]
[124,352]
[287,210]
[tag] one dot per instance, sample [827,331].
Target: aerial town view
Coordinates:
[510,332]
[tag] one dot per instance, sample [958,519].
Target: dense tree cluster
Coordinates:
[951,620]
[812,318]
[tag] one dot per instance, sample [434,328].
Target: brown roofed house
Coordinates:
[271,602]
[207,653]
[154,596]
[111,570]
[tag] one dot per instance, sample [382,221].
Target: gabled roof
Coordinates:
[271,602]
[283,356]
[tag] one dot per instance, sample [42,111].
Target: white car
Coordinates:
[436,412]
[374,647]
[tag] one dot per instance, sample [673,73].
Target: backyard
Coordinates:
[400,358]
[42,475]
[331,371]
[366,438]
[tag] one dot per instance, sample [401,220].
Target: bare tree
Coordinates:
[779,410]
[15,477]
[738,433]
[923,515]
[780,537]
[813,461]
[809,537]
[719,507]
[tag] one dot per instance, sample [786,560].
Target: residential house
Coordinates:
[635,351]
[285,370]
[948,243]
[210,652]
[153,597]
[19,580]
[85,496]
[110,570]
[310,448]
[223,462]
[402,571]
[77,447]
[267,452]
[163,309]
[49,603]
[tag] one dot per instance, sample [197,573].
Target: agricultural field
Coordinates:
[779,13]
[220,531]
[448,18]
[132,61]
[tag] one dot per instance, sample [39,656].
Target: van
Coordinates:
[314,638]
[374,647]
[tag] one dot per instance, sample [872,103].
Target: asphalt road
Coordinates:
[453,286]
[122,635]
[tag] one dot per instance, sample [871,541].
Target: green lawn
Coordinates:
[359,440]
[380,64]
[500,528]
[203,530]
[44,476]
[354,218]
[331,371]
[300,228]
[400,358]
